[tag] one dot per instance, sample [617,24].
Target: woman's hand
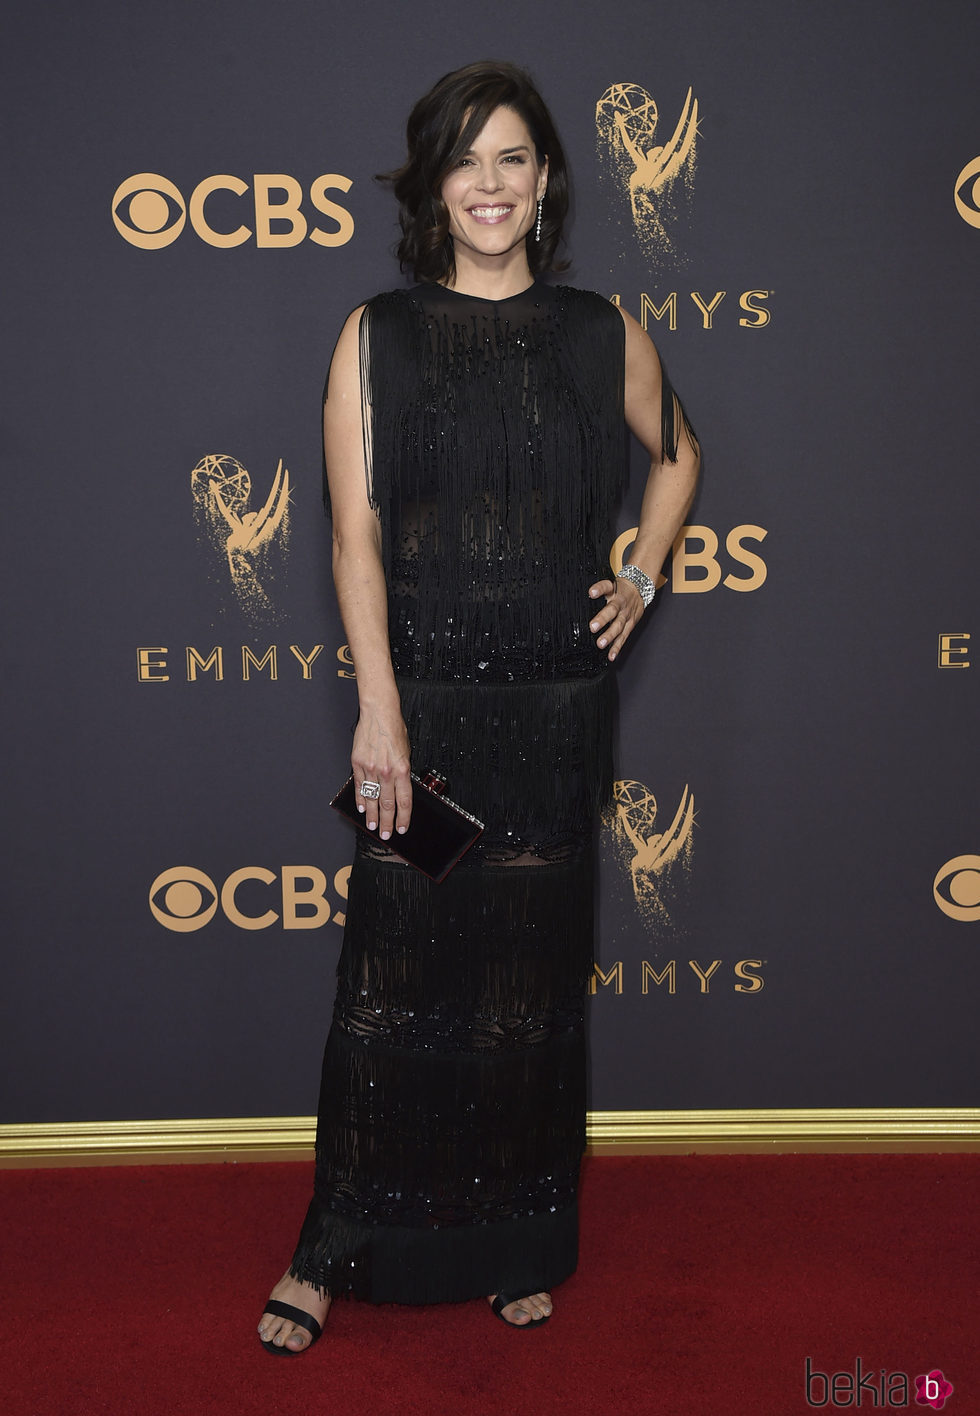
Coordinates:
[618,617]
[380,754]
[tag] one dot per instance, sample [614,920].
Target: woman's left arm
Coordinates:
[667,496]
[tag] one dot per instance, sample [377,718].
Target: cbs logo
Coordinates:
[966,192]
[694,561]
[956,888]
[150,212]
[184,899]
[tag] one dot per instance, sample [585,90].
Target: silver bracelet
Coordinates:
[642,581]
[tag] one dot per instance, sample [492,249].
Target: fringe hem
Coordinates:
[380,1263]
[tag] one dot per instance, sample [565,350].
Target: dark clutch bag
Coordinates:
[439,833]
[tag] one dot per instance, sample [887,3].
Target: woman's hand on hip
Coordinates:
[617,619]
[381,754]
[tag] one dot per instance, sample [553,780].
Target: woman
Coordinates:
[475,446]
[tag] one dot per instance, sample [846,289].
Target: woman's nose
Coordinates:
[489,180]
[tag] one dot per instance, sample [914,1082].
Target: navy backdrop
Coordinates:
[790,902]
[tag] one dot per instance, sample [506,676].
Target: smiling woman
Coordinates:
[492,195]
[496,109]
[474,435]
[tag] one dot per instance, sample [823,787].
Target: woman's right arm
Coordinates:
[380,751]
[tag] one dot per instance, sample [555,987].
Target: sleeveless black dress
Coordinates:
[451,1119]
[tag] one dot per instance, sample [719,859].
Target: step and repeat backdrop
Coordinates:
[788,198]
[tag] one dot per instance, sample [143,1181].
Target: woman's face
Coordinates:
[492,192]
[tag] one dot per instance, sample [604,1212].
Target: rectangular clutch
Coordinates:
[439,833]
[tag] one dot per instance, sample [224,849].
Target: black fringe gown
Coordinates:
[451,1118]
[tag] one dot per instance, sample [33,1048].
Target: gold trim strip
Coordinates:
[157,1142]
[609,1133]
[775,1130]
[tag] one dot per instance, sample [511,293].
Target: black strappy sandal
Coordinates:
[502,1299]
[297,1316]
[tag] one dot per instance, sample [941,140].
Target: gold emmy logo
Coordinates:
[966,193]
[651,856]
[626,123]
[956,888]
[242,538]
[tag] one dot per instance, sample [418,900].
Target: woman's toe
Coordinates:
[517,1313]
[280,1332]
[525,1310]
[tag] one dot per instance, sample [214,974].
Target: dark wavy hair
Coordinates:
[441,128]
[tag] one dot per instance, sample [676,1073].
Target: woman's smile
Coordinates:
[490,215]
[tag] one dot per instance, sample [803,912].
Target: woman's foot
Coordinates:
[280,1331]
[525,1310]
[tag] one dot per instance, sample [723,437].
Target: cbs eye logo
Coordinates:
[179,899]
[966,192]
[956,888]
[150,212]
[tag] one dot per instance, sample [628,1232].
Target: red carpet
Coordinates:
[704,1284]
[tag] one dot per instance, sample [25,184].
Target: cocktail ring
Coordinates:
[370,790]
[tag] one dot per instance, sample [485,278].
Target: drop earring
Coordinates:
[537,224]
